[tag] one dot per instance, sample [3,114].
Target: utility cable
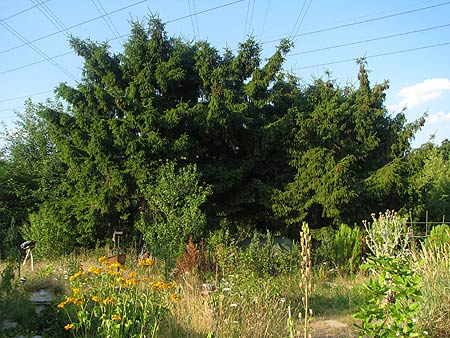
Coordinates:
[363,21]
[370,40]
[22,11]
[74,26]
[37,50]
[375,55]
[48,13]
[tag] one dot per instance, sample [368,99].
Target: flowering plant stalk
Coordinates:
[110,301]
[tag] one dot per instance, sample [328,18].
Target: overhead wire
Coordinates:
[37,50]
[246,19]
[48,13]
[265,19]
[73,26]
[370,40]
[22,11]
[192,18]
[375,55]
[196,19]
[204,11]
[112,27]
[362,21]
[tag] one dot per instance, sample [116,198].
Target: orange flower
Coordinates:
[69,326]
[116,317]
[107,300]
[96,299]
[132,275]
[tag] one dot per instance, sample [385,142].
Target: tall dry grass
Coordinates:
[433,266]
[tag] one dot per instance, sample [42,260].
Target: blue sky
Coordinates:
[405,42]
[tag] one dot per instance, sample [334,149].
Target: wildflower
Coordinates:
[68,326]
[76,291]
[132,275]
[75,276]
[116,317]
[174,297]
[107,300]
[131,282]
[95,270]
[146,262]
[96,299]
[113,273]
[116,265]
[61,305]
[78,301]
[102,259]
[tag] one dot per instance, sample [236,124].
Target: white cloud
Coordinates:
[427,90]
[439,117]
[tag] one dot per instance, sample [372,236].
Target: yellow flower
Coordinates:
[76,291]
[131,282]
[61,305]
[96,299]
[132,275]
[102,259]
[146,262]
[107,300]
[75,276]
[174,297]
[78,301]
[68,326]
[116,265]
[114,273]
[116,317]
[95,270]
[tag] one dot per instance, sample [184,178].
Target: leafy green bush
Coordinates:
[45,227]
[394,298]
[342,248]
[173,213]
[439,235]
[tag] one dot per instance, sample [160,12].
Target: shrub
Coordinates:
[394,297]
[439,235]
[388,235]
[341,248]
[173,212]
[51,238]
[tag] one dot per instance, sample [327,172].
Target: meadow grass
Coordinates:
[244,303]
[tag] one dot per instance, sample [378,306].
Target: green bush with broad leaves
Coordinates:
[439,235]
[394,298]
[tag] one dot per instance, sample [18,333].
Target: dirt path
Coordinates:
[331,328]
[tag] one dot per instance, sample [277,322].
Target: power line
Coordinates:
[196,19]
[370,40]
[26,96]
[48,13]
[22,11]
[192,18]
[35,63]
[303,18]
[265,18]
[204,11]
[112,27]
[36,49]
[363,21]
[246,19]
[74,26]
[375,55]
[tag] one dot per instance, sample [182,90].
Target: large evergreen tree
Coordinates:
[348,153]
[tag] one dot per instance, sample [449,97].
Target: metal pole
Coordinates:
[426,223]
